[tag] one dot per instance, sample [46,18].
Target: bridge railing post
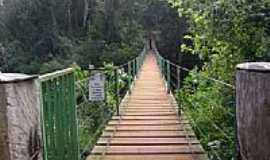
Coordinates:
[160,64]
[178,78]
[164,69]
[168,68]
[20,127]
[116,74]
[253,110]
[129,77]
[137,65]
[134,68]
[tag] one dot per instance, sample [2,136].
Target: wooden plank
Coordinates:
[137,150]
[149,114]
[145,117]
[153,134]
[150,157]
[148,128]
[147,141]
[152,98]
[149,105]
[148,94]
[151,102]
[149,109]
[148,122]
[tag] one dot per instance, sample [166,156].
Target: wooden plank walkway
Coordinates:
[148,128]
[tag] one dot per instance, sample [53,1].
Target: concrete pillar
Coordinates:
[253,110]
[20,135]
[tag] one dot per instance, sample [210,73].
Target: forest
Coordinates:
[38,36]
[208,38]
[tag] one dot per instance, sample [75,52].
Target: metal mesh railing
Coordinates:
[59,127]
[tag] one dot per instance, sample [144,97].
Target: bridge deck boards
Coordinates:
[149,127]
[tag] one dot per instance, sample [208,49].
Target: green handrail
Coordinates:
[165,67]
[133,68]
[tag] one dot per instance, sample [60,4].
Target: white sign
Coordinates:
[97,87]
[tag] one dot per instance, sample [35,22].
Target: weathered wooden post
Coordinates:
[19,118]
[253,110]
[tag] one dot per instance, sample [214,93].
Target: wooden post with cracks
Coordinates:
[19,118]
[253,111]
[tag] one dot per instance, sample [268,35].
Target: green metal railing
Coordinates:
[67,112]
[93,117]
[131,69]
[59,116]
[220,133]
[170,72]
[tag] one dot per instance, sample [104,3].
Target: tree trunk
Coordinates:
[69,17]
[85,14]
[53,17]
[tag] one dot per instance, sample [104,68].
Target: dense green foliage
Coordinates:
[94,116]
[38,36]
[224,33]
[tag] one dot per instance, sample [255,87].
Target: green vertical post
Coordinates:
[117,90]
[52,119]
[44,112]
[134,68]
[178,78]
[159,62]
[64,118]
[59,116]
[74,123]
[178,88]
[140,61]
[68,114]
[129,77]
[137,65]
[164,69]
[168,76]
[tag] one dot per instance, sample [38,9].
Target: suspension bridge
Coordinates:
[144,123]
[149,126]
[139,118]
[50,116]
